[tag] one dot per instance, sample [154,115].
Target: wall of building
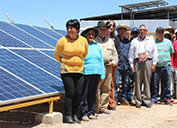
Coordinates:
[151,24]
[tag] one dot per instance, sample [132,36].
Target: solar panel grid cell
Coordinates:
[31,40]
[49,64]
[28,72]
[50,32]
[8,41]
[38,34]
[13,88]
[61,32]
[49,53]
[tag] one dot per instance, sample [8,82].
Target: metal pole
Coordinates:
[49,24]
[9,17]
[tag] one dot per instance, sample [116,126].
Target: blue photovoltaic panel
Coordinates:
[28,69]
[13,88]
[43,36]
[30,73]
[64,33]
[49,53]
[50,32]
[32,41]
[8,41]
[36,57]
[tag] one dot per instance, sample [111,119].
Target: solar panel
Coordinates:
[39,34]
[50,32]
[61,32]
[28,69]
[49,53]
[46,62]
[7,40]
[23,36]
[13,88]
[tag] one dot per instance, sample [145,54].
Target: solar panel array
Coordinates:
[27,67]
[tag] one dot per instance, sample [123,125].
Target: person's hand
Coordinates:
[133,70]
[172,69]
[153,68]
[109,63]
[101,81]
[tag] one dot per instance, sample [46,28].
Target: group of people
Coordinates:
[93,63]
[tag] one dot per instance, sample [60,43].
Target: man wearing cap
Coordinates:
[143,57]
[110,58]
[123,68]
[163,69]
[134,33]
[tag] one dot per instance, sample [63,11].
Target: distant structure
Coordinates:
[151,13]
[143,5]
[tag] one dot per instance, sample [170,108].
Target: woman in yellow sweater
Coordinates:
[70,51]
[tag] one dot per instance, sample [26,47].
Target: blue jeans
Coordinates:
[127,84]
[163,74]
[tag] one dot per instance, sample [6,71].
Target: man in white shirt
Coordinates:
[143,57]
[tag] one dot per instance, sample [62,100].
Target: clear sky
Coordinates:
[58,12]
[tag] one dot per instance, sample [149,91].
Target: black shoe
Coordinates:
[75,118]
[148,105]
[138,106]
[113,108]
[69,119]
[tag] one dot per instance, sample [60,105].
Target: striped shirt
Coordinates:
[165,49]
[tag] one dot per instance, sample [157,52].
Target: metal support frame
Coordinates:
[30,103]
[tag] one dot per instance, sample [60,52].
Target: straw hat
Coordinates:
[88,29]
[170,27]
[123,26]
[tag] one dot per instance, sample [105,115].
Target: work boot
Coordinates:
[69,119]
[75,119]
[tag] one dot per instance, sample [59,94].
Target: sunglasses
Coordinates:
[142,30]
[110,26]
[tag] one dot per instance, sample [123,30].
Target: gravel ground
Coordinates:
[158,116]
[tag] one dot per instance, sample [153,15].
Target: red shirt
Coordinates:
[174,56]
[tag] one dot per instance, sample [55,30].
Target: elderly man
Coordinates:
[123,68]
[163,69]
[110,58]
[143,57]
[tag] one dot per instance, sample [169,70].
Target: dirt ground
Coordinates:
[158,116]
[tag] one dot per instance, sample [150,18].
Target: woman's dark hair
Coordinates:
[74,23]
[107,23]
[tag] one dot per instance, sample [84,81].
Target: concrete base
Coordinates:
[55,117]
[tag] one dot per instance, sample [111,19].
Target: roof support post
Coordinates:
[168,15]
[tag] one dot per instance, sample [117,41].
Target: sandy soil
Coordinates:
[158,116]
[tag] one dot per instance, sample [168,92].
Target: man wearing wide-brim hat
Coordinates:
[123,26]
[123,68]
